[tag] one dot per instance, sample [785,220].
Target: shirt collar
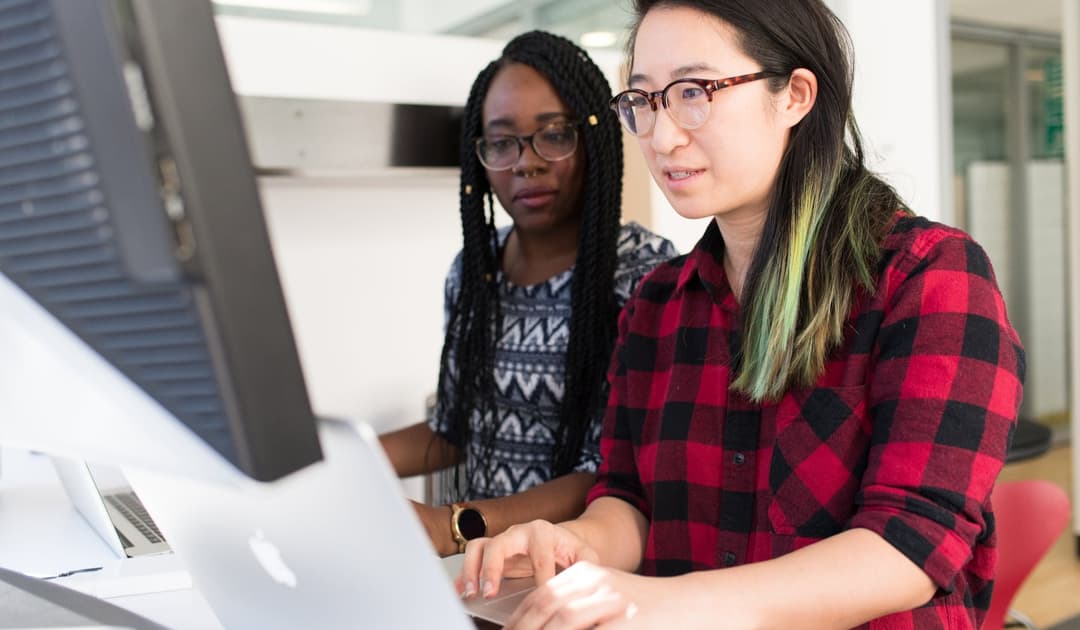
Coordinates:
[706,264]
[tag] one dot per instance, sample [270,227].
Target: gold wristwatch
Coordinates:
[466,523]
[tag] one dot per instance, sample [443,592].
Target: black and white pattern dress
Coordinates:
[529,371]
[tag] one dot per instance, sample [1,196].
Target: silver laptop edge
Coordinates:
[106,521]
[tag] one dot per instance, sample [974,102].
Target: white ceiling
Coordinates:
[1032,15]
[573,17]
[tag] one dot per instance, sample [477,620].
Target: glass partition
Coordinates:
[1009,183]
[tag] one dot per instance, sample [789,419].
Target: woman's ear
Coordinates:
[797,99]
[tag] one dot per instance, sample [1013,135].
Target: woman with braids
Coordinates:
[522,383]
[807,412]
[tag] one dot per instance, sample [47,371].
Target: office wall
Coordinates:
[362,254]
[432,17]
[903,96]
[274,58]
[362,263]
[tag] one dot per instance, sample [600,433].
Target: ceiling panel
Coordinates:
[1033,15]
[575,17]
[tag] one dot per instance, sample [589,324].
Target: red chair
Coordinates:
[1030,515]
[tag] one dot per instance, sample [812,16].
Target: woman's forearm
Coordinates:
[560,499]
[557,500]
[840,582]
[614,529]
[417,450]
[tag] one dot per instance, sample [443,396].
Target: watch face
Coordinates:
[471,524]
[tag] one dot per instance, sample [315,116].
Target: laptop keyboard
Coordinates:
[129,505]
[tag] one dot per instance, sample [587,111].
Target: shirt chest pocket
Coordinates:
[818,459]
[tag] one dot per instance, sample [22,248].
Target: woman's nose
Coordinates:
[666,134]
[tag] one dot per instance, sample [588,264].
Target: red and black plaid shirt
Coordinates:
[903,435]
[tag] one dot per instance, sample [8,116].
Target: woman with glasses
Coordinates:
[809,410]
[531,308]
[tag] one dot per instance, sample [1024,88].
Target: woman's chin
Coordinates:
[693,213]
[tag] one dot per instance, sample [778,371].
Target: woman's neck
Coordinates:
[530,258]
[741,235]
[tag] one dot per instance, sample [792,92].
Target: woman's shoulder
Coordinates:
[916,244]
[454,272]
[637,243]
[919,235]
[641,253]
[501,234]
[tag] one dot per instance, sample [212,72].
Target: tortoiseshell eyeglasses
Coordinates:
[687,104]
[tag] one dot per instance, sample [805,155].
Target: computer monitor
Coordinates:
[139,301]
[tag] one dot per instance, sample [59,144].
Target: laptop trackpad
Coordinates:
[499,608]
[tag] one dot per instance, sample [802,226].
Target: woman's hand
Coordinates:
[590,596]
[586,595]
[537,548]
[436,520]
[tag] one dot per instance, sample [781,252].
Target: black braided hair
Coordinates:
[476,317]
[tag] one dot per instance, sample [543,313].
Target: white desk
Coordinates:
[42,534]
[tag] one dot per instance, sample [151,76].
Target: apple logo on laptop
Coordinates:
[270,558]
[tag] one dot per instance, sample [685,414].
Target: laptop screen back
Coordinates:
[335,545]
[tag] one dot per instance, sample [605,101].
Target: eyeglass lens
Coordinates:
[686,101]
[554,142]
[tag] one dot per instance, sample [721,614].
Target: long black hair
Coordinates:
[475,317]
[827,214]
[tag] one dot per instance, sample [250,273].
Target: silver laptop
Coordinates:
[334,545]
[111,508]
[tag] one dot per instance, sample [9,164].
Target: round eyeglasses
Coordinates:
[553,142]
[686,101]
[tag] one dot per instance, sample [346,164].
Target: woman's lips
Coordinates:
[535,197]
[681,177]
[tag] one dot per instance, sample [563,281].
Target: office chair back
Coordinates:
[1030,515]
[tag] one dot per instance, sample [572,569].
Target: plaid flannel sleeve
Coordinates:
[617,475]
[634,265]
[944,393]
